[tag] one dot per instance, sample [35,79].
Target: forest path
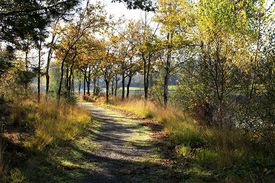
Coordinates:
[120,148]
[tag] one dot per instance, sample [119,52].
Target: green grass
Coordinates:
[44,143]
[208,154]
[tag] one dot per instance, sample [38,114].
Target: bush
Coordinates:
[188,136]
[17,177]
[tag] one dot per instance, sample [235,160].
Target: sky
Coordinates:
[120,9]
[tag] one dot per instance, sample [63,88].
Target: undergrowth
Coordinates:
[32,129]
[207,153]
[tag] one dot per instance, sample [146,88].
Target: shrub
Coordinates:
[188,135]
[17,176]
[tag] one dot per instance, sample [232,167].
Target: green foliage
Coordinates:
[23,20]
[25,77]
[16,176]
[146,5]
[187,135]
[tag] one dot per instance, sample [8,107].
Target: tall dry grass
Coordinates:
[214,149]
[49,122]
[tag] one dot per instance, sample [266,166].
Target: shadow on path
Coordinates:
[124,150]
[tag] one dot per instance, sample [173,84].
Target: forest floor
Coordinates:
[121,149]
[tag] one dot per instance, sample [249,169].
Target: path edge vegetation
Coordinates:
[197,152]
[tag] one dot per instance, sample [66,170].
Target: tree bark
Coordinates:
[107,90]
[39,72]
[123,85]
[128,85]
[84,82]
[26,67]
[146,69]
[79,86]
[145,76]
[116,85]
[61,81]
[167,70]
[48,66]
[88,80]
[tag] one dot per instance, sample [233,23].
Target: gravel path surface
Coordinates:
[124,151]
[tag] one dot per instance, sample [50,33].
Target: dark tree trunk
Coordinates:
[145,80]
[84,82]
[123,85]
[72,83]
[26,67]
[116,85]
[146,76]
[67,78]
[39,72]
[107,90]
[26,60]
[71,77]
[128,85]
[48,67]
[62,67]
[167,71]
[61,81]
[88,80]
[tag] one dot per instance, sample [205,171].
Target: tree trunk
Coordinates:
[39,72]
[62,72]
[116,85]
[71,77]
[128,85]
[123,85]
[88,80]
[67,79]
[72,83]
[26,67]
[79,87]
[146,69]
[84,82]
[107,90]
[48,67]
[167,71]
[61,81]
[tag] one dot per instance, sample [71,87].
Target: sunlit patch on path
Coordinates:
[123,149]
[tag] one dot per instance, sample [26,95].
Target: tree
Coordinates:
[19,20]
[172,15]
[107,62]
[126,44]
[148,51]
[91,20]
[146,5]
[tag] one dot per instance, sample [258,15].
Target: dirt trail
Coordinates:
[123,150]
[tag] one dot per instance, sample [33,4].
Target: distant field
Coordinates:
[171,87]
[137,91]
